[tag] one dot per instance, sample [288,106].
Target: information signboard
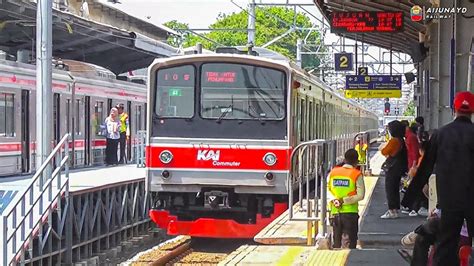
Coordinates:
[373,86]
[368,21]
[343,62]
[364,71]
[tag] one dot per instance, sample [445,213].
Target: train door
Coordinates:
[129,141]
[87,130]
[78,132]
[25,131]
[56,118]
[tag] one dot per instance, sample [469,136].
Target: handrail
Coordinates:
[308,154]
[35,208]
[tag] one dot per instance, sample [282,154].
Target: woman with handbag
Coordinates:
[395,166]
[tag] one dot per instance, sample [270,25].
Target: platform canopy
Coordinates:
[399,41]
[77,38]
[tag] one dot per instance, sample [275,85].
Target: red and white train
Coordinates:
[82,98]
[221,131]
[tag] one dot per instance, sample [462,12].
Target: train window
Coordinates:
[99,118]
[68,115]
[78,114]
[175,92]
[7,115]
[238,91]
[302,119]
[138,114]
[310,121]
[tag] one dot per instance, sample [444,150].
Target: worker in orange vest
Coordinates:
[347,188]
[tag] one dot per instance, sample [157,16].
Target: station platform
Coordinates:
[80,181]
[379,239]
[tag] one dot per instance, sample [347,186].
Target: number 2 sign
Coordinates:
[343,62]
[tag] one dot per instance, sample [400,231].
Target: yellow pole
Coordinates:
[309,229]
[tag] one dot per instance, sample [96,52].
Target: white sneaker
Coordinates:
[389,215]
[423,212]
[413,213]
[405,210]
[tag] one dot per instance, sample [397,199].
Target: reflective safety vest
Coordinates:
[342,183]
[362,151]
[123,121]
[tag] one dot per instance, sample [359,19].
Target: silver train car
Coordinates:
[83,95]
[221,131]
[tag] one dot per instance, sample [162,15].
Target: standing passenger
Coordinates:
[124,132]
[346,186]
[394,167]
[113,135]
[451,149]
[361,148]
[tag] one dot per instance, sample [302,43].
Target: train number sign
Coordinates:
[363,71]
[343,62]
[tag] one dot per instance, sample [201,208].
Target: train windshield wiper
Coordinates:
[226,111]
[257,115]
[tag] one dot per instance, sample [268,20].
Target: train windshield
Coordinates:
[242,92]
[175,92]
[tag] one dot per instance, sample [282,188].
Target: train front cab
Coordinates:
[217,153]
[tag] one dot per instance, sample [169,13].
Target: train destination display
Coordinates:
[373,86]
[370,21]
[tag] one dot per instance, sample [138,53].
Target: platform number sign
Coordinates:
[363,71]
[343,61]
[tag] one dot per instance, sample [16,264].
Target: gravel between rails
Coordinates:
[206,251]
[202,251]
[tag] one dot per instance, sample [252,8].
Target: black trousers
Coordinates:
[123,143]
[111,151]
[392,190]
[446,252]
[426,236]
[345,229]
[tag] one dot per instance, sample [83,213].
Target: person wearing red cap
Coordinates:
[450,152]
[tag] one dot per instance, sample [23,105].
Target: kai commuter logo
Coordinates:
[207,155]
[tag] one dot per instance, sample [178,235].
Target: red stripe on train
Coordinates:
[9,147]
[218,158]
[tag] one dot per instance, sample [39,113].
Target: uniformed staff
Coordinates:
[361,148]
[124,131]
[346,187]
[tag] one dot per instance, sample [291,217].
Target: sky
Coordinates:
[199,14]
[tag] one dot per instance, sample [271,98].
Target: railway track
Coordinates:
[187,251]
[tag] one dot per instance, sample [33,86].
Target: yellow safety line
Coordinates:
[289,257]
[328,257]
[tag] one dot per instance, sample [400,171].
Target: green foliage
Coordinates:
[271,22]
[188,39]
[410,111]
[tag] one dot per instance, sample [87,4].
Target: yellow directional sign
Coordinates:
[373,93]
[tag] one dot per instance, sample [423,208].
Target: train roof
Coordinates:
[276,60]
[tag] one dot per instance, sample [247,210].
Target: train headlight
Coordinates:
[269,176]
[166,156]
[270,159]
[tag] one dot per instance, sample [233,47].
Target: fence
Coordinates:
[25,219]
[310,163]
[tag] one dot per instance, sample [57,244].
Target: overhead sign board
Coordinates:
[369,21]
[343,62]
[373,86]
[364,71]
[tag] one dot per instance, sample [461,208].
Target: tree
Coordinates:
[410,110]
[271,22]
[187,39]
